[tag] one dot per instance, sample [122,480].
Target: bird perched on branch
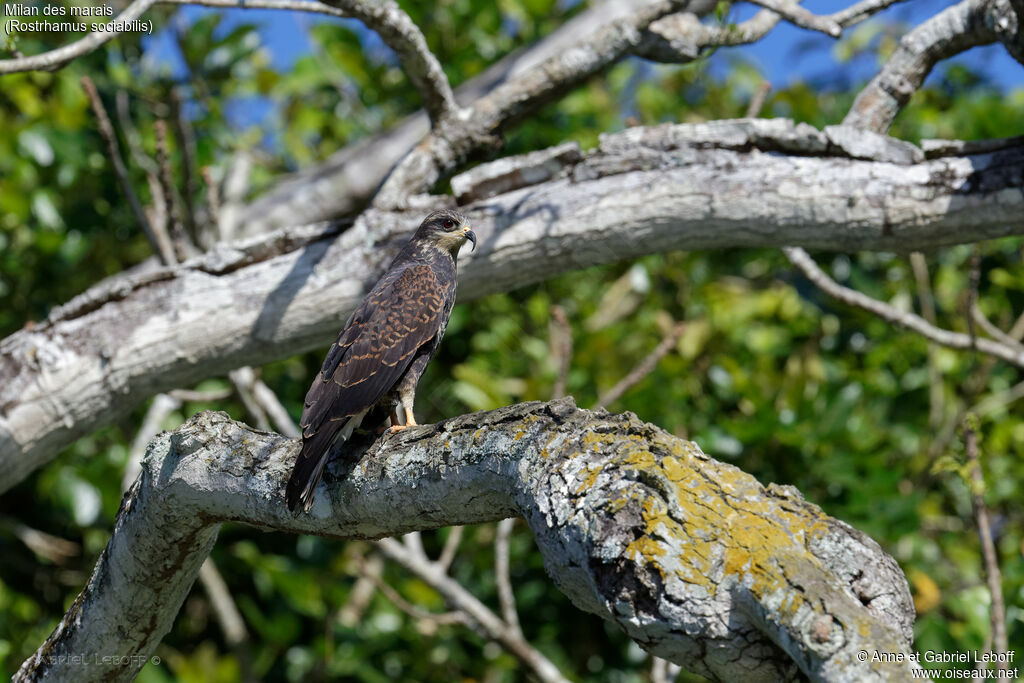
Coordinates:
[384,349]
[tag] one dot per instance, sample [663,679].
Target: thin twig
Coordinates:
[927,302]
[644,367]
[442,618]
[243,379]
[664,671]
[757,100]
[163,161]
[451,547]
[999,400]
[183,129]
[370,569]
[502,578]
[48,546]
[106,129]
[989,328]
[131,134]
[228,616]
[461,600]
[915,323]
[997,611]
[798,16]
[560,343]
[195,396]
[262,403]
[972,291]
[861,11]
[212,198]
[159,409]
[278,414]
[236,185]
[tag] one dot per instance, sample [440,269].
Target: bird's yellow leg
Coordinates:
[396,420]
[410,419]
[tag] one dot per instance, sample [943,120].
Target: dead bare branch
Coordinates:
[997,610]
[502,578]
[644,367]
[798,16]
[160,245]
[955,340]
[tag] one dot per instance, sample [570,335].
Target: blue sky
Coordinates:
[786,55]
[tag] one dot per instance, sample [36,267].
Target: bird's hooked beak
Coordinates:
[470,235]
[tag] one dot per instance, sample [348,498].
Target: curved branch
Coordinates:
[386,18]
[349,178]
[694,559]
[1011,353]
[55,59]
[402,35]
[643,191]
[478,128]
[965,25]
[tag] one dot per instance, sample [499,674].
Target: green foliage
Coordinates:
[769,373]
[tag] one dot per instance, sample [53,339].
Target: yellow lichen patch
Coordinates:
[589,479]
[520,434]
[673,470]
[648,550]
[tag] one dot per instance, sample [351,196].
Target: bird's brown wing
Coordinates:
[401,314]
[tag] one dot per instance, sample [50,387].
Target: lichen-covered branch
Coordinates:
[692,558]
[752,183]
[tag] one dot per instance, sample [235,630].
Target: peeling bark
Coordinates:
[751,183]
[692,558]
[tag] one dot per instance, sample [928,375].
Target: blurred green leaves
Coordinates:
[769,373]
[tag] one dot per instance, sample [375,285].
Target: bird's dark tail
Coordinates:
[309,466]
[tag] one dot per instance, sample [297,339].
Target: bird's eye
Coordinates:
[448,224]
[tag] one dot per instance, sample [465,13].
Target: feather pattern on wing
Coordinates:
[405,311]
[384,348]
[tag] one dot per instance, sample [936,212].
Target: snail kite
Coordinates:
[384,348]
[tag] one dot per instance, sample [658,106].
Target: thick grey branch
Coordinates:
[690,557]
[753,183]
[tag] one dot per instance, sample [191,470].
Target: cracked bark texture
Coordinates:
[642,191]
[692,558]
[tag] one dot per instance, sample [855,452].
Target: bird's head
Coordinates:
[447,229]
